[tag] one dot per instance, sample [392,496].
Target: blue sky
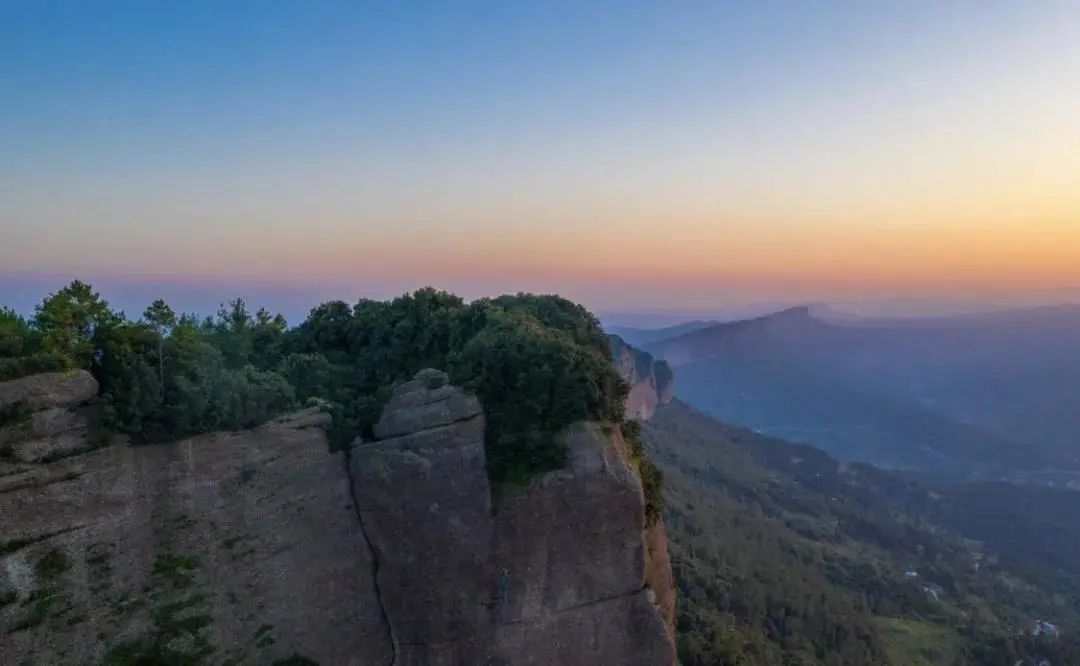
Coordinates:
[623,153]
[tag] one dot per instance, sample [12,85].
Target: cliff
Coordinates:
[554,575]
[262,545]
[651,381]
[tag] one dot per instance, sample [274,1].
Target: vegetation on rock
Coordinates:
[537,363]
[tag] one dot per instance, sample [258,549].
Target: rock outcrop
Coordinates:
[236,546]
[261,545]
[46,416]
[554,575]
[651,381]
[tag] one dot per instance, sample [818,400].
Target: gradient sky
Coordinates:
[629,155]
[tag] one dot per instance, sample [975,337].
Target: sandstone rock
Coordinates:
[574,536]
[651,381]
[658,575]
[425,503]
[425,402]
[250,539]
[624,630]
[50,389]
[311,417]
[555,575]
[44,417]
[252,547]
[62,444]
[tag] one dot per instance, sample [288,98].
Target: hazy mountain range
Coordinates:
[992,395]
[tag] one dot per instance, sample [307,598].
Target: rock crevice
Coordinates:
[555,575]
[375,564]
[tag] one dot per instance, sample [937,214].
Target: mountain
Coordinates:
[784,555]
[993,395]
[639,337]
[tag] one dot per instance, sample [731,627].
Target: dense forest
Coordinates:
[538,363]
[784,556]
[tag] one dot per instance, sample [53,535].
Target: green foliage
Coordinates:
[16,336]
[69,320]
[534,380]
[21,366]
[537,363]
[652,479]
[51,565]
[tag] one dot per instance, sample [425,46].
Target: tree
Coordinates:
[70,319]
[161,318]
[14,334]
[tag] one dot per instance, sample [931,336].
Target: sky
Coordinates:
[638,156]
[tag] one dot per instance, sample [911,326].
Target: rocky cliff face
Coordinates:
[239,546]
[554,575]
[261,545]
[651,381]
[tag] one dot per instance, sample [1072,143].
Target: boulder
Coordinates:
[46,416]
[49,389]
[422,404]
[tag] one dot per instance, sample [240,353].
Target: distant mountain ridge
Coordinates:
[984,394]
[644,336]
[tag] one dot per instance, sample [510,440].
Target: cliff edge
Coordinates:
[554,573]
[651,381]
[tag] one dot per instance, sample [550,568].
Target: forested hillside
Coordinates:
[784,556]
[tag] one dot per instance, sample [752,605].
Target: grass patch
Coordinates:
[173,621]
[9,546]
[265,641]
[176,569]
[184,522]
[15,415]
[97,556]
[52,565]
[126,605]
[917,643]
[233,541]
[38,605]
[246,476]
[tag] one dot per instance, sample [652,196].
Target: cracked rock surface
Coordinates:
[555,575]
[261,545]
